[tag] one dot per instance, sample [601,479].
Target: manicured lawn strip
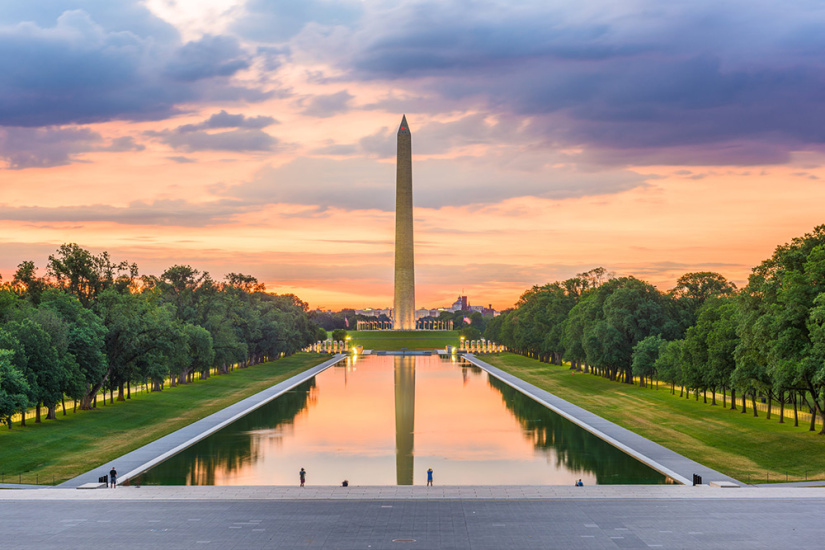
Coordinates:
[413,340]
[736,444]
[78,442]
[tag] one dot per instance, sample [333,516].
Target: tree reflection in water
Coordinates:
[234,447]
[473,429]
[573,447]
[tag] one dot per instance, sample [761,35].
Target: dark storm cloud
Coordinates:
[82,67]
[688,82]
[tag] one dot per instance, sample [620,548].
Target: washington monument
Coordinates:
[404,304]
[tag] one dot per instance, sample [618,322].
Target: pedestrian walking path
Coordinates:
[662,459]
[138,461]
[791,484]
[419,492]
[20,486]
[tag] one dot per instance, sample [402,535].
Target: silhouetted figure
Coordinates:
[303,475]
[429,477]
[112,478]
[345,483]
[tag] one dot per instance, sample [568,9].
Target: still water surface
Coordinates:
[384,420]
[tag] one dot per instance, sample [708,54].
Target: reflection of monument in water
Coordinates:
[404,308]
[404,367]
[404,302]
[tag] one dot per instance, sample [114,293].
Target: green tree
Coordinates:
[493,330]
[38,359]
[669,363]
[692,290]
[470,333]
[85,340]
[27,283]
[14,389]
[779,309]
[84,275]
[137,328]
[645,354]
[721,345]
[611,319]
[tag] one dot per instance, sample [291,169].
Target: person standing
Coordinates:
[303,475]
[112,478]
[429,477]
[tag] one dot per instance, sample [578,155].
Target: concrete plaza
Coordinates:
[414,517]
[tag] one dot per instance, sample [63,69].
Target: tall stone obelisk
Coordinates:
[404,305]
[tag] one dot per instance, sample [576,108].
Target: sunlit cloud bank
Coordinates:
[548,138]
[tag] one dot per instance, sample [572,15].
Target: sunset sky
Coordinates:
[258,136]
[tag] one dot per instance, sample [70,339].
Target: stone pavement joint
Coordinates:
[418,492]
[138,461]
[662,459]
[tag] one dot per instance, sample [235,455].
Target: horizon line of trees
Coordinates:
[764,341]
[347,319]
[91,324]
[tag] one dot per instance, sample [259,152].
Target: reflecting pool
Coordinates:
[384,420]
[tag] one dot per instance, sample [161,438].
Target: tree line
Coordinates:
[347,319]
[91,324]
[765,341]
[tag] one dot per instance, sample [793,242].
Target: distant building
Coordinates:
[460,305]
[370,312]
[421,313]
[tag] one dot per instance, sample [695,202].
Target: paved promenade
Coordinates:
[659,458]
[393,492]
[476,518]
[139,460]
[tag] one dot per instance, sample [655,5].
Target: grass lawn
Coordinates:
[728,441]
[412,340]
[63,448]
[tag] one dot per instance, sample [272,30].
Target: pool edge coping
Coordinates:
[534,393]
[201,429]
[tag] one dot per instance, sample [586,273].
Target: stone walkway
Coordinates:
[438,524]
[140,460]
[464,492]
[660,458]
